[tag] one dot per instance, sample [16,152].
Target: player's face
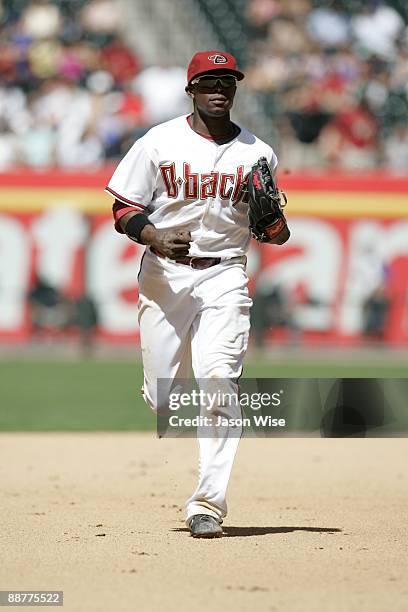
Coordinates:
[214,94]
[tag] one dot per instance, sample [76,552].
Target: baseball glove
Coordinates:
[265,203]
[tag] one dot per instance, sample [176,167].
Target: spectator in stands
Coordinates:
[376,29]
[259,15]
[328,26]
[86,318]
[41,20]
[102,17]
[50,312]
[14,120]
[38,147]
[396,149]
[350,140]
[270,310]
[119,61]
[158,83]
[375,314]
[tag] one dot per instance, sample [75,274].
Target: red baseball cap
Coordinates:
[208,62]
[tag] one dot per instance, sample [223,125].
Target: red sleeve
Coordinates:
[119,209]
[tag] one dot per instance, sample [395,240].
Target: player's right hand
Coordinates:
[171,243]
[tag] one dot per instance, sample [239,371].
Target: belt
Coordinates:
[197,263]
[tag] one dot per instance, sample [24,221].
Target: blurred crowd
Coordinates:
[72,91]
[333,76]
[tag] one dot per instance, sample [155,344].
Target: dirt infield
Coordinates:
[313,525]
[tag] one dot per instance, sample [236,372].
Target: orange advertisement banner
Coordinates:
[325,194]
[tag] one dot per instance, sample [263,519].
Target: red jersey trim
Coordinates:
[119,210]
[123,199]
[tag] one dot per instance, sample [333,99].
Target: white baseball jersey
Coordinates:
[183,180]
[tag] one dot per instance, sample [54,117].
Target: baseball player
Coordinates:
[180,191]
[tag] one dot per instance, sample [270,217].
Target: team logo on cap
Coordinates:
[218,59]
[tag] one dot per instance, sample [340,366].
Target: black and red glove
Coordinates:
[265,203]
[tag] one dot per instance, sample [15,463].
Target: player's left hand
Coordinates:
[265,203]
[170,243]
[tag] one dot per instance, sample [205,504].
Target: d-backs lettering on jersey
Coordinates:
[205,185]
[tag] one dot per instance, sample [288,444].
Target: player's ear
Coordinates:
[189,91]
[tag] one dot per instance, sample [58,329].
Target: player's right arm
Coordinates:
[171,243]
[133,185]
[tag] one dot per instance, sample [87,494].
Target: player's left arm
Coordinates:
[284,235]
[171,243]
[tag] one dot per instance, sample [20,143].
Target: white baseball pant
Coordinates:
[199,320]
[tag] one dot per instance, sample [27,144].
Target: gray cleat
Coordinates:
[204,526]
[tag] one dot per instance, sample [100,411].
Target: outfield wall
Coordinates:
[346,232]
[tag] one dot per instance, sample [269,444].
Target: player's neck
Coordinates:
[217,128]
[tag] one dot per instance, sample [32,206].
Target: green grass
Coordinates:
[321,369]
[101,395]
